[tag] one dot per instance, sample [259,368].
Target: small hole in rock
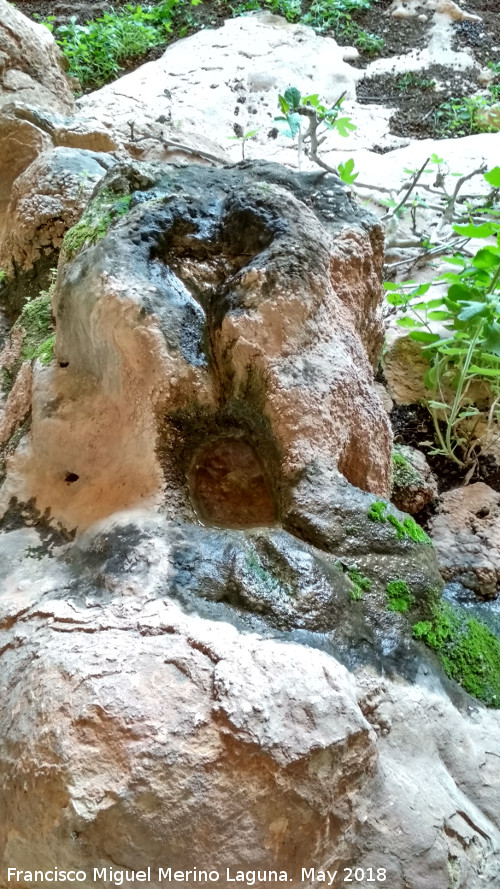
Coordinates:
[229,485]
[483,512]
[71,477]
[63,363]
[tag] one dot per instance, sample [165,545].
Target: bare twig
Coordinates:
[408,192]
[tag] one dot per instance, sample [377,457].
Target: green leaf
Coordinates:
[313,101]
[484,371]
[486,258]
[458,292]
[430,378]
[344,125]
[422,336]
[485,230]
[408,322]
[388,285]
[346,171]
[293,97]
[473,310]
[284,105]
[395,299]
[438,405]
[438,316]
[493,177]
[492,340]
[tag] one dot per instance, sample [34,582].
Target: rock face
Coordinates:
[466,533]
[140,727]
[46,200]
[413,483]
[224,304]
[31,74]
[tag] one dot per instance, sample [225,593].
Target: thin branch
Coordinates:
[409,191]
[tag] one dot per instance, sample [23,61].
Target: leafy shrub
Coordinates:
[468,349]
[98,51]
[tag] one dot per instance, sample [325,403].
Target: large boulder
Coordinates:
[195,549]
[31,74]
[236,303]
[142,727]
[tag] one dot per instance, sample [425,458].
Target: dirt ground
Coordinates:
[414,105]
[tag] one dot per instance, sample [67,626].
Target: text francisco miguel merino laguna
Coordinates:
[168,874]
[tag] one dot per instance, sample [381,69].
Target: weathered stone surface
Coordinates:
[144,734]
[212,308]
[466,534]
[31,65]
[413,482]
[31,73]
[46,200]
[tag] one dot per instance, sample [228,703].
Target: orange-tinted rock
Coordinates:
[229,485]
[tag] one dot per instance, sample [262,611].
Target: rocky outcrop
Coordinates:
[466,533]
[31,65]
[212,308]
[152,728]
[31,74]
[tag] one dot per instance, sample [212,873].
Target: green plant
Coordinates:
[290,9]
[467,349]
[465,115]
[407,529]
[412,81]
[294,107]
[399,597]
[468,651]
[3,276]
[335,16]
[243,139]
[95,222]
[97,51]
[346,173]
[361,584]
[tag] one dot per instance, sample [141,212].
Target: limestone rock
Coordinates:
[31,64]
[254,316]
[134,731]
[46,200]
[413,482]
[31,73]
[466,534]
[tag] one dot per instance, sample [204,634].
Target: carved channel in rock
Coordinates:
[229,485]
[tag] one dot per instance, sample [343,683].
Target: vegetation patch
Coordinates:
[36,320]
[408,529]
[361,584]
[96,221]
[468,651]
[399,597]
[99,50]
[467,115]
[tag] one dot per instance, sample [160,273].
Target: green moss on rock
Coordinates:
[96,221]
[469,652]
[405,529]
[361,584]
[399,597]
[403,473]
[36,320]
